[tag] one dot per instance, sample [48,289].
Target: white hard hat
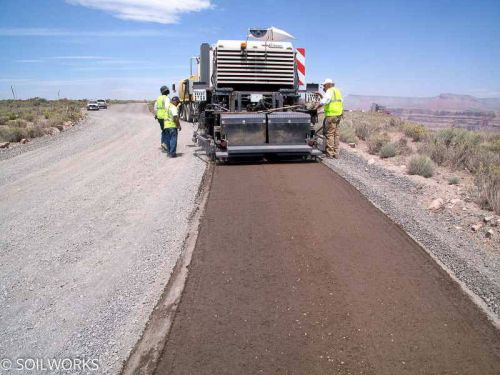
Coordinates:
[328,80]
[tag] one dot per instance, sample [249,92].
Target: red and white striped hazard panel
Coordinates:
[300,57]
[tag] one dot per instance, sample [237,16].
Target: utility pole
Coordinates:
[58,96]
[13,92]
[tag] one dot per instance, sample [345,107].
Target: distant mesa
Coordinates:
[444,110]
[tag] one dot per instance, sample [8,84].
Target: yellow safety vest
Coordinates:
[335,107]
[161,110]
[169,119]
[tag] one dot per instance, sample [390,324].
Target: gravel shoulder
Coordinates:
[467,259]
[92,222]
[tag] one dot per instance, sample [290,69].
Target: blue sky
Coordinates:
[129,48]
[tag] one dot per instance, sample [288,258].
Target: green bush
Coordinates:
[388,150]
[488,183]
[421,165]
[416,132]
[453,180]
[376,142]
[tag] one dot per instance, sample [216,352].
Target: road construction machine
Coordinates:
[245,99]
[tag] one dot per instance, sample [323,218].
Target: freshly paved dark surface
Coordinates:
[295,272]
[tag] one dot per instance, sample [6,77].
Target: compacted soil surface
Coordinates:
[295,272]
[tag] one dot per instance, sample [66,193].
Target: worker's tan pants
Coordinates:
[331,126]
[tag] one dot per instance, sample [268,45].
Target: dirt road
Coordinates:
[294,272]
[92,222]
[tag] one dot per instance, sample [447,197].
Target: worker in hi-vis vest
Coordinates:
[160,109]
[171,125]
[333,108]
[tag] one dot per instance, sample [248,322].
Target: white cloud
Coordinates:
[28,61]
[47,32]
[160,11]
[79,58]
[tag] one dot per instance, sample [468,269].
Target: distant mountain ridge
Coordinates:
[443,102]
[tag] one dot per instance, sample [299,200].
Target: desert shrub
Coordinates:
[19,123]
[74,116]
[56,120]
[421,165]
[8,134]
[363,130]
[402,147]
[493,146]
[395,122]
[459,148]
[463,147]
[437,151]
[29,117]
[388,150]
[42,113]
[4,119]
[376,141]
[416,132]
[488,183]
[347,133]
[34,132]
[453,180]
[38,101]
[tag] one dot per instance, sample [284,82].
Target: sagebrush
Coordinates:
[421,165]
[29,118]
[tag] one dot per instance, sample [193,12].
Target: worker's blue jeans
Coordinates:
[163,134]
[170,135]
